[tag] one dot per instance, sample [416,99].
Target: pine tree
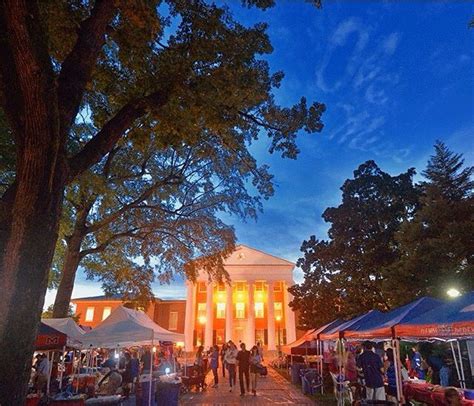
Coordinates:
[438,243]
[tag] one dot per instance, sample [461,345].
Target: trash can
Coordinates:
[295,372]
[167,394]
[143,397]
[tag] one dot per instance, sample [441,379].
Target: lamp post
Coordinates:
[202,321]
[278,319]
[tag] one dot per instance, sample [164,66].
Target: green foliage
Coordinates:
[438,243]
[390,242]
[48,313]
[218,98]
[346,274]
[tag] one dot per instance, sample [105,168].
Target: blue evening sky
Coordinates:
[395,77]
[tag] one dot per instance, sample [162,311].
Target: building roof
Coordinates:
[116,298]
[248,256]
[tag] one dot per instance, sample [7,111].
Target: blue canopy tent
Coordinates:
[451,322]
[381,326]
[338,331]
[308,343]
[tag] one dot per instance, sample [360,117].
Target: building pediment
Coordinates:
[247,256]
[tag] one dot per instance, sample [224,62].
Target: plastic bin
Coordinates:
[145,399]
[167,394]
[295,372]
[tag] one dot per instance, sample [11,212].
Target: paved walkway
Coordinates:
[272,389]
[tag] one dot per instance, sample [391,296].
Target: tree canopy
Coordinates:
[347,274]
[437,244]
[390,241]
[186,71]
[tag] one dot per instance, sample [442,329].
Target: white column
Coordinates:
[250,340]
[229,313]
[189,322]
[271,318]
[209,315]
[289,316]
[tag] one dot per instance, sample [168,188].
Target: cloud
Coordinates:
[339,39]
[366,85]
[390,44]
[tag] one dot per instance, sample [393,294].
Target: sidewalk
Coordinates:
[272,389]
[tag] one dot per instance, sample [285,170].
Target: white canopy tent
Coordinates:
[126,327]
[69,327]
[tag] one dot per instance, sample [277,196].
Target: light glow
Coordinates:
[202,319]
[278,318]
[453,292]
[154,349]
[180,344]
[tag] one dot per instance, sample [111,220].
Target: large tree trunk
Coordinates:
[31,208]
[28,247]
[72,258]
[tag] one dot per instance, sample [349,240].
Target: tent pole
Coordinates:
[461,366]
[62,369]
[49,373]
[320,347]
[455,361]
[151,370]
[398,372]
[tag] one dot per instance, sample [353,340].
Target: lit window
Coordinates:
[221,287]
[259,310]
[106,312]
[278,309]
[90,314]
[220,314]
[202,287]
[240,287]
[277,286]
[201,310]
[240,310]
[258,286]
[173,323]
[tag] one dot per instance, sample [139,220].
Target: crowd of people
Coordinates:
[245,364]
[369,368]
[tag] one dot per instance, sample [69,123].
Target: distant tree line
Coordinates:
[390,241]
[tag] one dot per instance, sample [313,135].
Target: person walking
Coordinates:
[199,362]
[222,354]
[255,365]
[231,361]
[215,364]
[243,361]
[260,349]
[372,367]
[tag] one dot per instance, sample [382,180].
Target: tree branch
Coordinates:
[107,137]
[77,68]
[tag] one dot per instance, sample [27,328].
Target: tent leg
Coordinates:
[398,372]
[151,372]
[50,368]
[62,369]
[456,362]
[461,366]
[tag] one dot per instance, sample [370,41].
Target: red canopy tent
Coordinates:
[49,338]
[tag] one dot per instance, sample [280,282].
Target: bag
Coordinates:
[263,370]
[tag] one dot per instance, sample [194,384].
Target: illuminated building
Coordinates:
[252,308]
